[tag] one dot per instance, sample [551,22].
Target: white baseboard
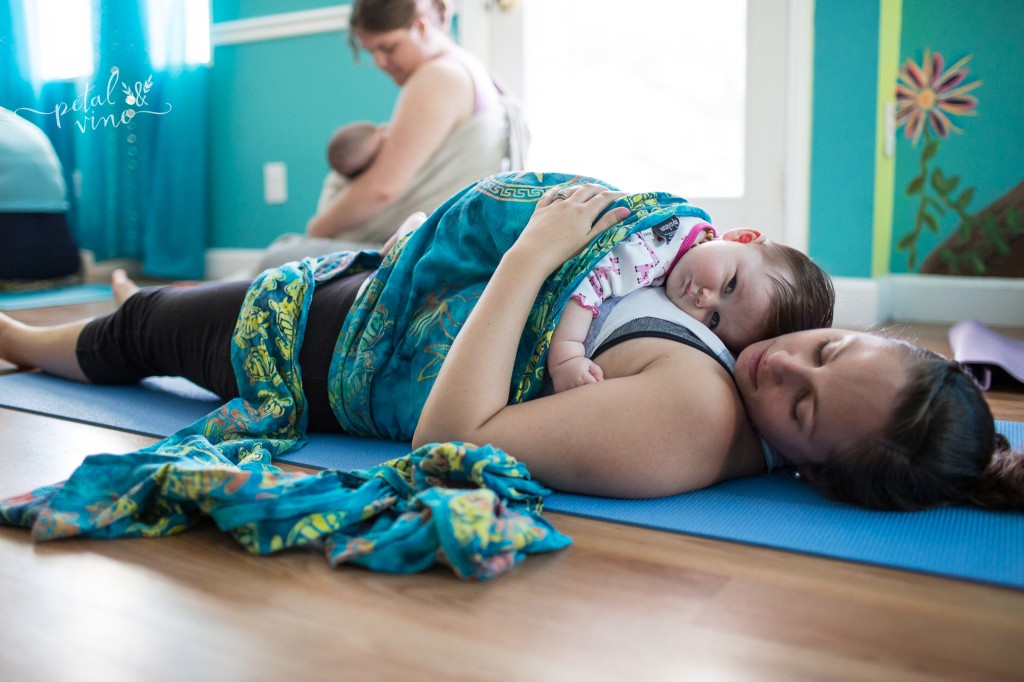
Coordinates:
[860,302]
[928,298]
[222,263]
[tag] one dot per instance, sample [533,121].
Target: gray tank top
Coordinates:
[647,312]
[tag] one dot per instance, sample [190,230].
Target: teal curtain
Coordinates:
[19,93]
[135,148]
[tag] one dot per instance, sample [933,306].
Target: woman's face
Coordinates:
[813,392]
[397,53]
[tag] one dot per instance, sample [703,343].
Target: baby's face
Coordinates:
[725,285]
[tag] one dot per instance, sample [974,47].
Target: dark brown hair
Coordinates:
[940,448]
[379,16]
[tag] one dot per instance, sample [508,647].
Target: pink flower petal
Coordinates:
[936,67]
[914,75]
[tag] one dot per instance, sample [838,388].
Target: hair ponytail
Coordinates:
[1001,484]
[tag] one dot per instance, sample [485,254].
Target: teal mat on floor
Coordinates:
[772,510]
[82,293]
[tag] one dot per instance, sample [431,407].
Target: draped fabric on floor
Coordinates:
[474,509]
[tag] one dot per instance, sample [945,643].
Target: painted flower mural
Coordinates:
[927,96]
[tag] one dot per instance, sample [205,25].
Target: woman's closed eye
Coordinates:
[819,352]
[819,360]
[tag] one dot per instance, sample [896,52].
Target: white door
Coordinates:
[707,100]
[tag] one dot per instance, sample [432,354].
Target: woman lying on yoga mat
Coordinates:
[869,420]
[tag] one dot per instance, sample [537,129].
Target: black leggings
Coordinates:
[186,331]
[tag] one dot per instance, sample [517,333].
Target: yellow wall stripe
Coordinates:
[890,19]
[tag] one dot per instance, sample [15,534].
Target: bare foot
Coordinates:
[8,327]
[122,285]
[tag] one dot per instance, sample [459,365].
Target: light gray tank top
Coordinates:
[648,312]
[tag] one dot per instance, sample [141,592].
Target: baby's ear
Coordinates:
[744,235]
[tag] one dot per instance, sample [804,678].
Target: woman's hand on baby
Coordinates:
[575,372]
[563,222]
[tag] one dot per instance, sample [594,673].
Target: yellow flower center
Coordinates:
[926,98]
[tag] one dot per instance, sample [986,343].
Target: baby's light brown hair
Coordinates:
[804,300]
[352,147]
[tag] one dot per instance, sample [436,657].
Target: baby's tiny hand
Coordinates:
[574,373]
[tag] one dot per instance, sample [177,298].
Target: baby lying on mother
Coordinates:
[447,340]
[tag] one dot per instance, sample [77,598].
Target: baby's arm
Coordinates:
[567,363]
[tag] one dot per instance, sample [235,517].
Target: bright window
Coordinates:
[60,39]
[650,93]
[60,35]
[178,32]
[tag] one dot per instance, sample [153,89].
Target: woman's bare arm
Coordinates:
[632,435]
[437,97]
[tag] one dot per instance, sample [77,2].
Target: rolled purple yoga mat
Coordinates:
[980,349]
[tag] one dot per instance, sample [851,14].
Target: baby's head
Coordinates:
[746,288]
[353,147]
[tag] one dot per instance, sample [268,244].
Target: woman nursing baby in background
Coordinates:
[415,354]
[452,125]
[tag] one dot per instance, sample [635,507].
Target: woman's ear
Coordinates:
[743,235]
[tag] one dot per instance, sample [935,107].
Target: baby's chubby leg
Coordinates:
[51,349]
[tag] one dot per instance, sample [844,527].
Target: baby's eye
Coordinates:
[714,320]
[731,285]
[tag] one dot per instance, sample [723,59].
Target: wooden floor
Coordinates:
[621,603]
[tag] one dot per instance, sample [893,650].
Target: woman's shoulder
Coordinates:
[699,410]
[440,84]
[442,71]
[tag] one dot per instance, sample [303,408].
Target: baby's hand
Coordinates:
[575,372]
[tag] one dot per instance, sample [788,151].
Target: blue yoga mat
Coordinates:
[83,293]
[774,510]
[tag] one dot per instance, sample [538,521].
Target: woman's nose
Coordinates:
[783,367]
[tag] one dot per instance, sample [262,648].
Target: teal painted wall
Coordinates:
[230,10]
[279,100]
[843,135]
[987,156]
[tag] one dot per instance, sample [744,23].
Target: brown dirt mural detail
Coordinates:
[988,244]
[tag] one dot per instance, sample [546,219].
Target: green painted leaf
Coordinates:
[929,150]
[939,182]
[966,227]
[915,185]
[949,258]
[929,221]
[906,241]
[965,198]
[976,263]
